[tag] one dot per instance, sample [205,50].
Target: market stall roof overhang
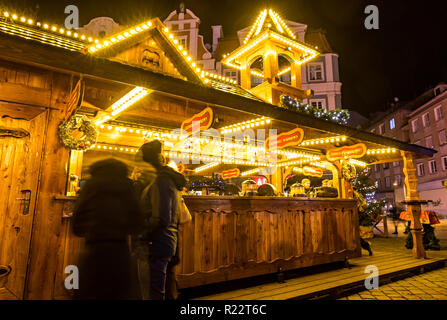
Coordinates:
[32,53]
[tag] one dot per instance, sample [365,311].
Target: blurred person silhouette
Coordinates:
[160,203]
[106,214]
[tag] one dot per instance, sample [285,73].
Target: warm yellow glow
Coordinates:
[323,140]
[246,124]
[358,163]
[381,151]
[128,99]
[206,167]
[250,172]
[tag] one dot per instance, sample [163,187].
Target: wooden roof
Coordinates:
[37,54]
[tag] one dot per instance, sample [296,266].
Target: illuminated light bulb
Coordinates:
[120,37]
[139,29]
[126,34]
[61,30]
[53,28]
[188,58]
[184,52]
[132,31]
[90,39]
[14,16]
[23,19]
[99,46]
[113,40]
[180,47]
[82,37]
[149,24]
[92,49]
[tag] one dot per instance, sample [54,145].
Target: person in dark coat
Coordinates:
[106,213]
[160,206]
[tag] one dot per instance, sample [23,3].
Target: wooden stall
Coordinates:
[239,237]
[67,101]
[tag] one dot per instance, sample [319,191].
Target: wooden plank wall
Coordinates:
[238,238]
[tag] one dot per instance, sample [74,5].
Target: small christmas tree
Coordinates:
[364,192]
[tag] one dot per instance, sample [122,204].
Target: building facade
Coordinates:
[320,75]
[423,121]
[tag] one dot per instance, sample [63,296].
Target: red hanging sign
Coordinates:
[232,173]
[286,139]
[181,167]
[354,151]
[204,120]
[313,172]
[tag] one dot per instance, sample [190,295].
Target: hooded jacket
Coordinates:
[159,203]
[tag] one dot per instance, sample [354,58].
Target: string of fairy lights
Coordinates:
[135,30]
[51,34]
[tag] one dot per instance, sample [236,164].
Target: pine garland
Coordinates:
[339,116]
[83,125]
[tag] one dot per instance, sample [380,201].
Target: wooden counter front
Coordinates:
[239,237]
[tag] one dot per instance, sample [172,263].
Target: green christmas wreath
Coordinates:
[348,171]
[82,125]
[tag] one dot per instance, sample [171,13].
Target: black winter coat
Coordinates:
[106,213]
[161,205]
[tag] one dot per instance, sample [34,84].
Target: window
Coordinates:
[398,180]
[432,166]
[426,120]
[420,169]
[382,128]
[377,167]
[418,142]
[387,182]
[438,113]
[429,142]
[315,71]
[396,163]
[183,41]
[415,125]
[442,137]
[231,74]
[444,163]
[392,124]
[318,103]
[386,165]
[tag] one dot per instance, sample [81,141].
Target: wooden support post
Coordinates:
[277,180]
[413,204]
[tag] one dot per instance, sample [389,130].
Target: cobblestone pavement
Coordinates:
[427,286]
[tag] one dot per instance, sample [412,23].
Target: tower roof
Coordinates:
[269,19]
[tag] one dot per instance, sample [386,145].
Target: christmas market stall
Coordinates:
[270,177]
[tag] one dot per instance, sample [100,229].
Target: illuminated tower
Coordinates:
[271,54]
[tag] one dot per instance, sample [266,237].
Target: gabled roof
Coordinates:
[55,36]
[269,19]
[318,39]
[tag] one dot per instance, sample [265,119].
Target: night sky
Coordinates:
[406,56]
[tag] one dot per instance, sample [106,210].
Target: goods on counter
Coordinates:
[249,188]
[267,189]
[297,190]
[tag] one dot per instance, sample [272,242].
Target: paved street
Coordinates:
[427,286]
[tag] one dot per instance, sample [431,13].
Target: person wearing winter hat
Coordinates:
[159,201]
